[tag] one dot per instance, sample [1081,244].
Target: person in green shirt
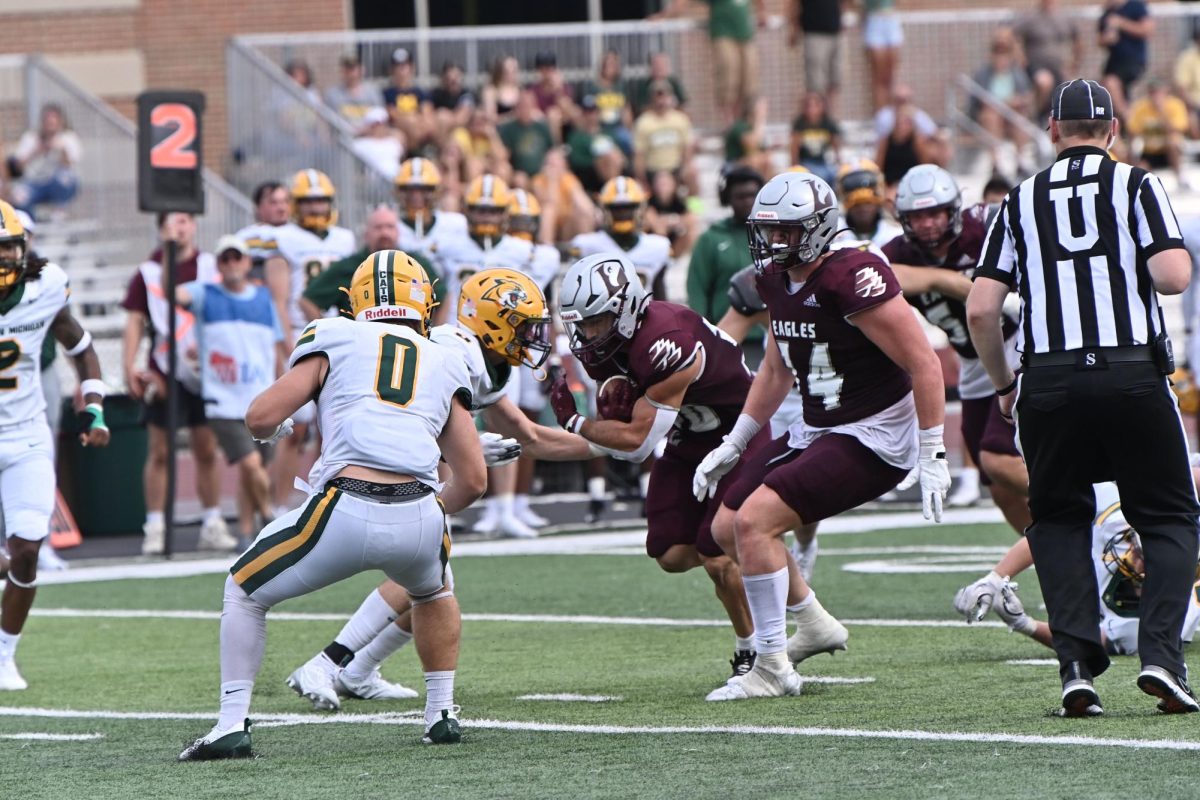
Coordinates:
[527,139]
[731,25]
[660,70]
[724,248]
[325,291]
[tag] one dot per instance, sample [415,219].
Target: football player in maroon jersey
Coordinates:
[841,332]
[689,383]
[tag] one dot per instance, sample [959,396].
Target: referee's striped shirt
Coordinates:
[1073,240]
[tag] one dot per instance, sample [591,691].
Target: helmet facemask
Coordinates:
[487,222]
[623,219]
[1123,558]
[779,246]
[315,214]
[931,242]
[595,339]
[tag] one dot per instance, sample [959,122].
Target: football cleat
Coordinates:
[742,662]
[153,538]
[596,508]
[314,679]
[49,560]
[488,522]
[531,518]
[805,558]
[1079,699]
[817,631]
[1173,692]
[10,676]
[218,744]
[759,682]
[446,730]
[515,529]
[215,535]
[373,687]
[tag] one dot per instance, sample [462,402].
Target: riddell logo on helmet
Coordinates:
[388,312]
[766,215]
[925,202]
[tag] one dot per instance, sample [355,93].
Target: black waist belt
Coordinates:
[381,491]
[1091,357]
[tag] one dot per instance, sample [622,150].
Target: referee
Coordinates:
[1090,243]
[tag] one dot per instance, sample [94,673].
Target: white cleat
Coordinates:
[966,494]
[314,679]
[817,631]
[215,535]
[531,518]
[486,523]
[515,529]
[10,677]
[373,687]
[759,682]
[806,558]
[49,560]
[153,538]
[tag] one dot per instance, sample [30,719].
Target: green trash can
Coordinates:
[103,485]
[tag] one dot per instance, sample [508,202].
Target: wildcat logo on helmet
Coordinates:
[508,294]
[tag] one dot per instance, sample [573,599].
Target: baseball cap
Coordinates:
[545,59]
[588,102]
[401,56]
[1081,99]
[231,242]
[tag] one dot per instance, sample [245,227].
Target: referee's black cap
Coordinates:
[1081,99]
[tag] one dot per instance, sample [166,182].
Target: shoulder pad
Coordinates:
[743,293]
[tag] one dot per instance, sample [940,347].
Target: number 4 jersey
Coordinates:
[25,318]
[386,398]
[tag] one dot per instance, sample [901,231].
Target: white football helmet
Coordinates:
[794,218]
[594,286]
[925,187]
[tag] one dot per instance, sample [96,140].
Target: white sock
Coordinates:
[520,503]
[743,643]
[381,647]
[439,694]
[803,604]
[8,645]
[504,504]
[969,476]
[643,483]
[155,518]
[373,616]
[211,514]
[767,595]
[596,488]
[235,703]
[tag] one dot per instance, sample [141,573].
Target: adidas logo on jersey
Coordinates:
[811,302]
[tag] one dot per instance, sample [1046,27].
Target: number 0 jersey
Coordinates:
[386,398]
[309,255]
[25,317]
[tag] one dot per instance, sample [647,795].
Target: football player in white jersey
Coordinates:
[33,302]
[422,223]
[860,188]
[502,324]
[271,211]
[1120,569]
[623,201]
[379,504]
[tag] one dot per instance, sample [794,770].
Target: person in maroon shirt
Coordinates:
[686,383]
[841,332]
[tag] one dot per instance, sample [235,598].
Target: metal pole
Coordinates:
[595,17]
[421,13]
[170,256]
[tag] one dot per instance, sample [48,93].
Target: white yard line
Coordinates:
[574,698]
[969,737]
[670,622]
[53,737]
[1032,662]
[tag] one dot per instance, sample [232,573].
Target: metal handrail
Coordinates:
[973,90]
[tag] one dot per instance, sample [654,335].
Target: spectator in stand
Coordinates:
[147,310]
[1005,80]
[820,24]
[503,89]
[663,140]
[612,98]
[668,215]
[527,136]
[299,71]
[353,97]
[1160,121]
[1125,27]
[723,249]
[46,162]
[481,148]
[883,38]
[660,70]
[746,139]
[566,208]
[452,102]
[378,143]
[1045,36]
[995,190]
[731,25]
[296,128]
[241,352]
[592,154]
[554,97]
[408,105]
[903,148]
[816,139]
[1187,80]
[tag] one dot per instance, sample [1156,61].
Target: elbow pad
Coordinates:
[743,294]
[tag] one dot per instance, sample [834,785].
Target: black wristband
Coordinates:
[1007,390]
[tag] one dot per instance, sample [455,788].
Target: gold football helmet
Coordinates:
[12,232]
[858,183]
[524,215]
[310,185]
[622,200]
[487,206]
[415,186]
[506,310]
[391,285]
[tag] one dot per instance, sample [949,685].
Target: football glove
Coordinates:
[976,600]
[933,472]
[723,457]
[498,451]
[563,404]
[1012,611]
[285,429]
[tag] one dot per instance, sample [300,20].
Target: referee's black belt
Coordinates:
[1092,357]
[381,491]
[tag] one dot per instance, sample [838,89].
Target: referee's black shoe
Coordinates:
[1079,698]
[1173,692]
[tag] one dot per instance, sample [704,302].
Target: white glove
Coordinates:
[976,600]
[934,472]
[498,451]
[284,430]
[724,457]
[1012,611]
[909,480]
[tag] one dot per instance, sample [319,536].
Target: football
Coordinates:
[615,399]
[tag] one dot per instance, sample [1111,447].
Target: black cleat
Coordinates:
[595,510]
[742,662]
[232,743]
[1173,692]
